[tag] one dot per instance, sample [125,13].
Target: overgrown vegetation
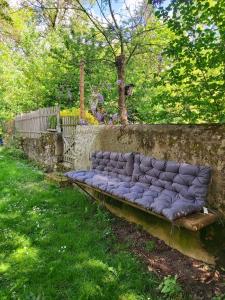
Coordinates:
[170,288]
[150,246]
[174,56]
[56,244]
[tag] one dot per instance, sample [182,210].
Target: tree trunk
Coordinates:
[82,89]
[120,66]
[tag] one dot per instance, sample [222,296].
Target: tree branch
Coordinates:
[132,53]
[97,25]
[117,27]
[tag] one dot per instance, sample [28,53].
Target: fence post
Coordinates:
[58,126]
[39,121]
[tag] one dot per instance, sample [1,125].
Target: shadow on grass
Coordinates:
[56,244]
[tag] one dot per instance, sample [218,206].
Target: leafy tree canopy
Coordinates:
[174,55]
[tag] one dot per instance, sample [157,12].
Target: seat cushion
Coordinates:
[80,175]
[108,169]
[180,188]
[129,190]
[105,181]
[181,208]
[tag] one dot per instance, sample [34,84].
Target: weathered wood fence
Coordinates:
[68,134]
[34,123]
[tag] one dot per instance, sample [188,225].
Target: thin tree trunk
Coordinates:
[82,89]
[120,66]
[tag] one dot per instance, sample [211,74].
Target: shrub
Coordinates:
[75,112]
[52,120]
[170,288]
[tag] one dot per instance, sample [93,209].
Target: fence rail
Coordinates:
[34,123]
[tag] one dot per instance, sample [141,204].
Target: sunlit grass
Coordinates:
[57,244]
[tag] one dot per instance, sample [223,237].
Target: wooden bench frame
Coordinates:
[193,222]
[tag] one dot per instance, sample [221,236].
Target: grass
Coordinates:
[150,246]
[57,244]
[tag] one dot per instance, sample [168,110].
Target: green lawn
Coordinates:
[57,244]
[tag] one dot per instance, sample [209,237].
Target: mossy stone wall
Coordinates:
[194,144]
[46,150]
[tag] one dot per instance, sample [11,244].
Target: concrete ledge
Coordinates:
[58,178]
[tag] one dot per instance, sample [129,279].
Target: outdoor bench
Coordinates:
[171,190]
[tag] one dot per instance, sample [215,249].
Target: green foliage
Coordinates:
[15,153]
[4,11]
[57,244]
[150,246]
[43,68]
[52,120]
[219,297]
[170,288]
[178,71]
[195,78]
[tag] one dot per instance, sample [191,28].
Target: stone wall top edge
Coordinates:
[155,125]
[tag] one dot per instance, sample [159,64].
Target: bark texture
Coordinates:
[120,66]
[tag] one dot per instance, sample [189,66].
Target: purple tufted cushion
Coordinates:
[166,187]
[182,188]
[113,163]
[109,170]
[79,175]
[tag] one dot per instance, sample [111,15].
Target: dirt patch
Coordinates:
[200,280]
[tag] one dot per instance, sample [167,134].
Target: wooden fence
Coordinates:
[68,134]
[34,123]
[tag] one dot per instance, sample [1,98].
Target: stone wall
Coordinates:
[46,150]
[203,144]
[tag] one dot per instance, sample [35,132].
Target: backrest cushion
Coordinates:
[190,181]
[113,162]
